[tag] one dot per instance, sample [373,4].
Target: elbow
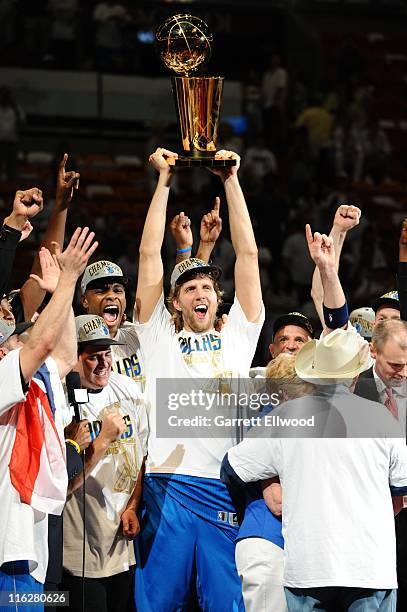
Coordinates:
[45,345]
[315,295]
[146,252]
[251,253]
[69,363]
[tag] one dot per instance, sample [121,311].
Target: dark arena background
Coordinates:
[97,91]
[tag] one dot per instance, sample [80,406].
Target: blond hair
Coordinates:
[281,374]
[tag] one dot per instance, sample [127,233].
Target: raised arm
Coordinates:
[52,322]
[346,218]
[211,227]
[180,228]
[26,205]
[247,275]
[31,293]
[150,274]
[322,252]
[65,352]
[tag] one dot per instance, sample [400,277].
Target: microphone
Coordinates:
[76,395]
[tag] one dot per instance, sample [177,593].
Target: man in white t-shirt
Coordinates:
[33,476]
[337,513]
[113,470]
[188,532]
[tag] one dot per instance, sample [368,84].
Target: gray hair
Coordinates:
[391,329]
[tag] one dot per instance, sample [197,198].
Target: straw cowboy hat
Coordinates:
[342,354]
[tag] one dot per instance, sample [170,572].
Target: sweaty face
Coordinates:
[198,303]
[391,363]
[385,313]
[109,302]
[289,339]
[94,366]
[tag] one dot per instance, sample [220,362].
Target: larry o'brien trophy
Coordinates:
[184,45]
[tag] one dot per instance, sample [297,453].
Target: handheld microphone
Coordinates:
[76,395]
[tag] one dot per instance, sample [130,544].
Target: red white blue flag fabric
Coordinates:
[37,465]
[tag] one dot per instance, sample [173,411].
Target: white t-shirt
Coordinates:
[338,523]
[186,355]
[109,485]
[127,358]
[23,530]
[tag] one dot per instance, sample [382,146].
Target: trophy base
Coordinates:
[206,162]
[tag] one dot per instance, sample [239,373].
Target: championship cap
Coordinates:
[362,320]
[7,329]
[188,268]
[100,270]
[91,329]
[390,299]
[293,318]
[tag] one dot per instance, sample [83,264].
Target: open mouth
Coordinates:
[201,311]
[111,314]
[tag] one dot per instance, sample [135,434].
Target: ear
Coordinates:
[271,349]
[373,351]
[84,301]
[175,303]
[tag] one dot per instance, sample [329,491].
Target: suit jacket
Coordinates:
[366,386]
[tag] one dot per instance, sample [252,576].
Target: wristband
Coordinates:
[74,444]
[335,318]
[184,250]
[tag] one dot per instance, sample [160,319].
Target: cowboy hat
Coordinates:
[342,354]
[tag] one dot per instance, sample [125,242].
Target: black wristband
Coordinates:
[335,318]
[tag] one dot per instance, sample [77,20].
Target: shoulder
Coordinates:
[10,364]
[237,316]
[367,374]
[125,384]
[127,332]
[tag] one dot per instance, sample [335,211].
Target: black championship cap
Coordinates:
[293,318]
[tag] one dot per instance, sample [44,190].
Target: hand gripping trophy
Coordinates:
[184,45]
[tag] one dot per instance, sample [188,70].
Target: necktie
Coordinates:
[390,403]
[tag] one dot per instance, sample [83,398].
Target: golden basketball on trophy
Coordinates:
[184,44]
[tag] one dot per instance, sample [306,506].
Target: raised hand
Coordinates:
[321,249]
[26,230]
[347,217]
[26,205]
[211,224]
[66,182]
[49,270]
[74,259]
[180,228]
[162,160]
[225,172]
